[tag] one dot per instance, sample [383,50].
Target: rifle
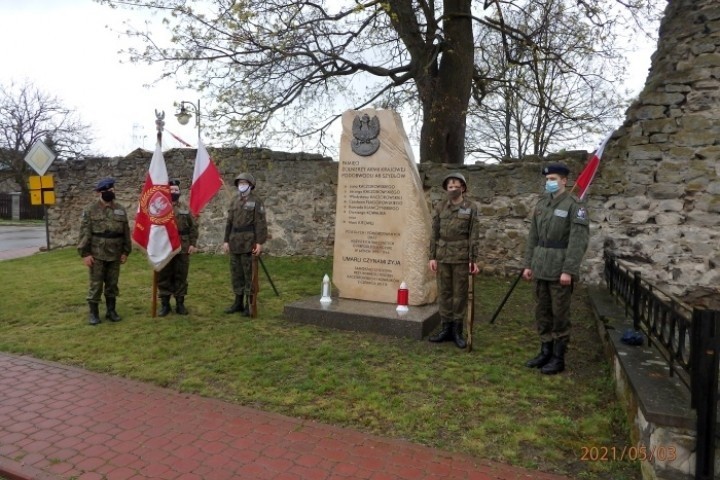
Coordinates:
[267,274]
[255,287]
[471,312]
[507,295]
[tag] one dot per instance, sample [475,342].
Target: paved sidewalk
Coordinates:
[59,422]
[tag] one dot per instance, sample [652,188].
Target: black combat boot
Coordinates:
[539,360]
[444,335]
[458,336]
[164,305]
[111,314]
[94,317]
[237,306]
[246,309]
[557,362]
[180,306]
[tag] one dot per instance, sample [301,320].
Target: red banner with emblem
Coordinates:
[155,230]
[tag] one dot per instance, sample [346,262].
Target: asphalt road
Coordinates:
[18,241]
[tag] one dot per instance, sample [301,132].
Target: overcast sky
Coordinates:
[64,48]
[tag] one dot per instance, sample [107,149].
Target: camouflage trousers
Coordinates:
[103,273]
[552,310]
[172,280]
[241,273]
[452,285]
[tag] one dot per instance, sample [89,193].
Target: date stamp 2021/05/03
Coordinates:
[627,453]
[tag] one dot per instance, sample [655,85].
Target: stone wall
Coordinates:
[299,192]
[659,197]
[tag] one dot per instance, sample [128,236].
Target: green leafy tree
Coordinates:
[289,68]
[27,115]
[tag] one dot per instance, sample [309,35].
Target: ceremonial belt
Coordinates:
[552,244]
[249,228]
[109,234]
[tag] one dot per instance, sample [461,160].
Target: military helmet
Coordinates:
[247,177]
[455,175]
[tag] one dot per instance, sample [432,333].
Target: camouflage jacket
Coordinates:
[246,224]
[187,226]
[558,239]
[104,232]
[455,234]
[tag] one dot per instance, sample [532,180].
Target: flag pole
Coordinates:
[159,122]
[153,311]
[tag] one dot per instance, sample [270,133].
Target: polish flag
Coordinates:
[582,184]
[206,180]
[155,229]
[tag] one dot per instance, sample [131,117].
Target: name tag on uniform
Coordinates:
[464,211]
[561,213]
[249,205]
[118,212]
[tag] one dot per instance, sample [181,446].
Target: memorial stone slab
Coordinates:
[383,222]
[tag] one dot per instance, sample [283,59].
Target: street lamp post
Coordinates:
[183,116]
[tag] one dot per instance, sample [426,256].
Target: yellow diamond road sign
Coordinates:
[40,157]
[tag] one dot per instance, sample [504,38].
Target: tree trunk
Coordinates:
[445,99]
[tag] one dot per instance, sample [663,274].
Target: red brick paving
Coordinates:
[59,422]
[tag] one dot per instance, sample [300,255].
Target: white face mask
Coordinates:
[244,188]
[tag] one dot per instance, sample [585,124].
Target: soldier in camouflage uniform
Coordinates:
[172,279]
[245,232]
[559,233]
[104,245]
[454,248]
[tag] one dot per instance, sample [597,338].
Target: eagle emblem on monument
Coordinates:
[365,131]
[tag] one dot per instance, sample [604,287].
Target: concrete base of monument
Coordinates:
[364,316]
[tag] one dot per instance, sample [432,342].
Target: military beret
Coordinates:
[557,168]
[175,181]
[105,184]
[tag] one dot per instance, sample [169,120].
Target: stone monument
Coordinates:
[382,220]
[382,232]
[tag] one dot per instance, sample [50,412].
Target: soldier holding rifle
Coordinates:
[454,247]
[559,233]
[245,232]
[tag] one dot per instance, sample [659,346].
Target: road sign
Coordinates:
[40,157]
[41,190]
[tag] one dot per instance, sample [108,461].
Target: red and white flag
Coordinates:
[588,174]
[206,180]
[155,229]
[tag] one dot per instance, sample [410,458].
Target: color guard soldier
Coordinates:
[454,248]
[558,239]
[245,232]
[104,245]
[172,279]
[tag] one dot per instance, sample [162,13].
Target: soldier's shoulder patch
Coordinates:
[581,214]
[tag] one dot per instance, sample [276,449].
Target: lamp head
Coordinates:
[183,116]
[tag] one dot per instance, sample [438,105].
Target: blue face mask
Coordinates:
[552,186]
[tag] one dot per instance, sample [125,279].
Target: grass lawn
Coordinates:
[485,403]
